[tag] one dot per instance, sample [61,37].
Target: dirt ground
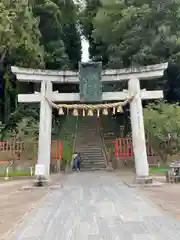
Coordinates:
[15,203]
[166,196]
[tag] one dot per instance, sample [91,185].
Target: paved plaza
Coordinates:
[95,206]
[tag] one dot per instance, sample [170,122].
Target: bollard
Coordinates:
[7,173]
[31,171]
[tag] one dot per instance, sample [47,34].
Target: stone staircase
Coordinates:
[89,144]
[108,130]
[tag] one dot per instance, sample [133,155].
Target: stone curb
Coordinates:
[47,187]
[154,184]
[16,178]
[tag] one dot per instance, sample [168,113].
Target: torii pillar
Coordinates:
[45,126]
[138,133]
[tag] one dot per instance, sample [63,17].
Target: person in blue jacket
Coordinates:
[77,162]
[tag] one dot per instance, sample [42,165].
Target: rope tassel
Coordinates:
[114,110]
[119,109]
[90,112]
[75,112]
[61,112]
[105,111]
[98,112]
[84,113]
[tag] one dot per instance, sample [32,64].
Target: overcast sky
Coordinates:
[85,50]
[84,42]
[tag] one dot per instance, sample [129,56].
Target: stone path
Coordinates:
[96,206]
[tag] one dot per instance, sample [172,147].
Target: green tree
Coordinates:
[20,45]
[71,32]
[163,127]
[136,32]
[20,35]
[60,36]
[35,34]
[97,48]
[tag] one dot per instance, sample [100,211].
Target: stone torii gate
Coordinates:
[132,75]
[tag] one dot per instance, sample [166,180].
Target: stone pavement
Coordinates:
[96,206]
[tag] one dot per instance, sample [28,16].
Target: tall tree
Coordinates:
[60,36]
[20,44]
[71,31]
[97,48]
[35,34]
[138,32]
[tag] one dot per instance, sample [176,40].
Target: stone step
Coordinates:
[88,127]
[92,156]
[93,159]
[93,165]
[90,168]
[86,143]
[87,146]
[93,126]
[89,149]
[88,139]
[85,156]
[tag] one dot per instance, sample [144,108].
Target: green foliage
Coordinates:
[60,36]
[134,32]
[163,126]
[67,134]
[35,34]
[15,174]
[27,130]
[19,34]
[158,170]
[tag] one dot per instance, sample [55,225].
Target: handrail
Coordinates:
[105,152]
[74,134]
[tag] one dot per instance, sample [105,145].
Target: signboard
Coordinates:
[90,82]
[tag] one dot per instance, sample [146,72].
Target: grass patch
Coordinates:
[16,174]
[158,170]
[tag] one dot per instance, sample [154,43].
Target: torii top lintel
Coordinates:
[37,75]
